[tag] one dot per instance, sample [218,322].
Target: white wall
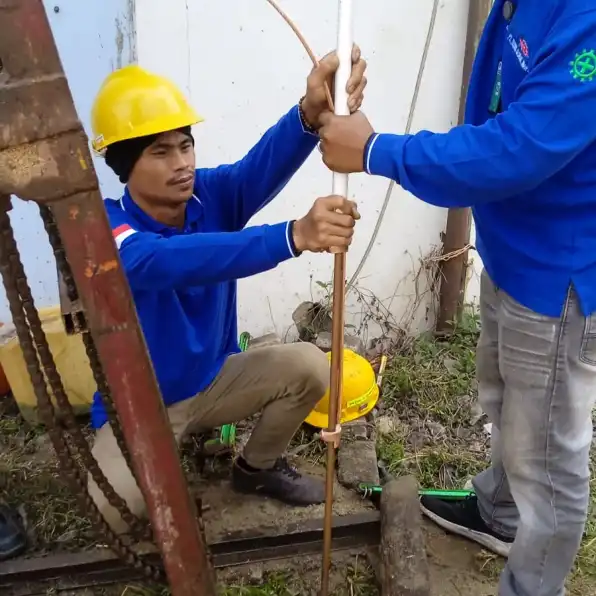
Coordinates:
[105,40]
[243,68]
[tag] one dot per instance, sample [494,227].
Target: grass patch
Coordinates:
[30,481]
[429,395]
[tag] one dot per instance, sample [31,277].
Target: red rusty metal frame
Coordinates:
[44,157]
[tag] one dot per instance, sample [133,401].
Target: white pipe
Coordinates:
[344,53]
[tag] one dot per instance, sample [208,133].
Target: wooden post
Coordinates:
[457,232]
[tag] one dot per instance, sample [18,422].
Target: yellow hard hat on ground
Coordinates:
[359,396]
[133,102]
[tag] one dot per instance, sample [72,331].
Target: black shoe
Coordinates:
[463,518]
[13,539]
[282,482]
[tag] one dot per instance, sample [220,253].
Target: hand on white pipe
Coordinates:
[344,140]
[327,227]
[316,100]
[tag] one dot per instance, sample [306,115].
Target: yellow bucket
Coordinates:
[71,361]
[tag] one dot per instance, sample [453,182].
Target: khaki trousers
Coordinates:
[282,382]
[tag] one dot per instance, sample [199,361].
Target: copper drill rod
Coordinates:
[335,391]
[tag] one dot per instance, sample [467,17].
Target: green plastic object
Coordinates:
[371,490]
[227,433]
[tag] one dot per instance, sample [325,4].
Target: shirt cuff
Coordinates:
[382,155]
[306,132]
[278,239]
[290,239]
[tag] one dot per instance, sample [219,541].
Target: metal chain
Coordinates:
[35,348]
[140,528]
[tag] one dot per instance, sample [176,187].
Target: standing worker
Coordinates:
[525,161]
[183,240]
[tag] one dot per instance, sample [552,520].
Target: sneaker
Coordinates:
[13,539]
[463,518]
[282,482]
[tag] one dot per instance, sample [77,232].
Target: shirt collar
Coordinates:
[194,211]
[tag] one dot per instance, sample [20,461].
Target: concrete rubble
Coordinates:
[357,457]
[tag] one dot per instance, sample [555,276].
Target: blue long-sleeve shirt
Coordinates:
[528,168]
[183,281]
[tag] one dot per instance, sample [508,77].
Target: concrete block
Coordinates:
[351,342]
[404,566]
[357,462]
[264,341]
[311,319]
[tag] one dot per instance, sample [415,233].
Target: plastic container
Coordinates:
[71,361]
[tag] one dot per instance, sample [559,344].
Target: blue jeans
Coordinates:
[537,384]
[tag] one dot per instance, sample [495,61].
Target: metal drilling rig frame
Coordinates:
[44,157]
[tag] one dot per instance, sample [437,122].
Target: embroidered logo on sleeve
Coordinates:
[519,49]
[121,233]
[583,68]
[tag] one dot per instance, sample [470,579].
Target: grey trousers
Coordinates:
[537,384]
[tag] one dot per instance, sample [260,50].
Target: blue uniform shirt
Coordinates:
[528,169]
[183,281]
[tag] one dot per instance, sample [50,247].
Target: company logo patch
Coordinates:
[583,68]
[519,54]
[524,48]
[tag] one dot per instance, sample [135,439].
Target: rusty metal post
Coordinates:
[457,232]
[44,157]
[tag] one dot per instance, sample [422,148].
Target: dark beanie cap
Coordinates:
[121,157]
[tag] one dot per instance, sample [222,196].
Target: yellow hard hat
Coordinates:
[133,102]
[359,396]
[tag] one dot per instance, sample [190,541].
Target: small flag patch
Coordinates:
[121,233]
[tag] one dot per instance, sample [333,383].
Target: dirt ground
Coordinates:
[457,567]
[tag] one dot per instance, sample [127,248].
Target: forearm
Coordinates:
[155,263]
[465,166]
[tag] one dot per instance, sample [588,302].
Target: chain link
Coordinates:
[139,528]
[39,360]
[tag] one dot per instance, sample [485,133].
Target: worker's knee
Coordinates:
[109,513]
[308,369]
[116,471]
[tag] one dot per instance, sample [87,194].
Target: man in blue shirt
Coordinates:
[184,240]
[525,161]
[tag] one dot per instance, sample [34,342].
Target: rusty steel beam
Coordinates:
[44,157]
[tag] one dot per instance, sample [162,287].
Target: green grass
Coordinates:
[429,387]
[31,481]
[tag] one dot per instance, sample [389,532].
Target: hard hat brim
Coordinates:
[166,124]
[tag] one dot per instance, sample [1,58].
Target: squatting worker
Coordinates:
[183,240]
[525,161]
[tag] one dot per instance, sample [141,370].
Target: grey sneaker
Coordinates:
[463,518]
[282,482]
